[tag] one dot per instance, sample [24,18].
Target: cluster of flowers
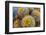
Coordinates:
[27,17]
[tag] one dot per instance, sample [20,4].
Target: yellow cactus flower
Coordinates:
[20,10]
[36,13]
[27,21]
[16,24]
